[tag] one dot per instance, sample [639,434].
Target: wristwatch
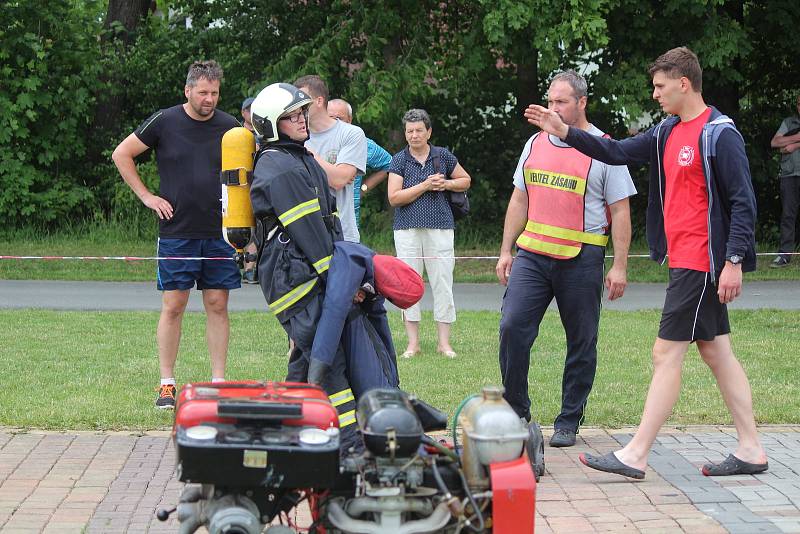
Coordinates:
[364,188]
[735,259]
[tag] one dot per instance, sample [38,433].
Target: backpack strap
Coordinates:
[436,155]
[267,148]
[715,129]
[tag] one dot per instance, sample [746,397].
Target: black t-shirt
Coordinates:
[189,157]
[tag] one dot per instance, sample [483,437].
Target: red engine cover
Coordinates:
[513,496]
[256,435]
[198,402]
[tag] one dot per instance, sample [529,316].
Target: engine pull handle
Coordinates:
[163,514]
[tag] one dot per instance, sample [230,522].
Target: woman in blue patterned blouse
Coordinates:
[419,177]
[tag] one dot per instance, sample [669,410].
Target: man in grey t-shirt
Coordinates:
[558,217]
[787,140]
[339,148]
[606,184]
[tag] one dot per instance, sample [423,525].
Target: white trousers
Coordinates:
[429,242]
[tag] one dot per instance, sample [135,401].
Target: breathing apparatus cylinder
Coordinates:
[238,223]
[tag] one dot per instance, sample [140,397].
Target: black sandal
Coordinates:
[733,466]
[611,464]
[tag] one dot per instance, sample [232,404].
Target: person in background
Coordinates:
[246,115]
[559,216]
[420,176]
[787,141]
[187,140]
[340,149]
[378,159]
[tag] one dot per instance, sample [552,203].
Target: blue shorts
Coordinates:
[208,274]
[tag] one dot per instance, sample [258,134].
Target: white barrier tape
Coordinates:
[123,258]
[159,258]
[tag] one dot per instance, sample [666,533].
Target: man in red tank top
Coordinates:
[685,197]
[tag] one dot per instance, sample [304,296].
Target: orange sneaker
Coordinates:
[166,397]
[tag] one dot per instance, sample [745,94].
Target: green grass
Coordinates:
[99,238]
[88,239]
[93,370]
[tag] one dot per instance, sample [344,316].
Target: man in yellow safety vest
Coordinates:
[559,216]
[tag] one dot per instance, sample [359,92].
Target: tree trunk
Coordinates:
[128,13]
[391,51]
[527,88]
[725,94]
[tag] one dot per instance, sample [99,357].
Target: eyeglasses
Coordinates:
[294,119]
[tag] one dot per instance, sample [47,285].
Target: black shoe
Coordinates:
[249,277]
[780,261]
[563,438]
[166,397]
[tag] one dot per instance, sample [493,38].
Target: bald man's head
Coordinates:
[340,109]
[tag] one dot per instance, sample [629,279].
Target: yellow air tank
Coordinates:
[238,223]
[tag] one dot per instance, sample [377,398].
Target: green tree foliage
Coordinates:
[749,73]
[473,64]
[49,70]
[770,86]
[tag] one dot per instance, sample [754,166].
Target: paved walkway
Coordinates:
[86,482]
[97,483]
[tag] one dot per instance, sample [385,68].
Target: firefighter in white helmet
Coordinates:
[297,225]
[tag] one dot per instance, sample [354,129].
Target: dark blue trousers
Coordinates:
[369,349]
[301,328]
[577,286]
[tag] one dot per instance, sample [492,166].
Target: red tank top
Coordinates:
[686,197]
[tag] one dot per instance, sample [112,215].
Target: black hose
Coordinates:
[481,525]
[438,478]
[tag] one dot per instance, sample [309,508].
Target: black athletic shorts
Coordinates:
[692,309]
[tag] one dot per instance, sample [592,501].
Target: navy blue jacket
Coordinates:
[731,200]
[361,329]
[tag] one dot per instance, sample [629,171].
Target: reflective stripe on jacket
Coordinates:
[291,190]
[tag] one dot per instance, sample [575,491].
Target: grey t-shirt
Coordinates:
[790,163]
[605,185]
[343,143]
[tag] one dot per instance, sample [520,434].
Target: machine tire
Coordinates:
[535,449]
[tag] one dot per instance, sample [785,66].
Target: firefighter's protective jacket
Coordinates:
[296,225]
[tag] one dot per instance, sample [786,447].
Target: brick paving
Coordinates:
[87,482]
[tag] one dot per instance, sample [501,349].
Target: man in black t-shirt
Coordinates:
[187,140]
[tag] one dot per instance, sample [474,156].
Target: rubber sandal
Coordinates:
[448,353]
[410,353]
[733,466]
[611,464]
